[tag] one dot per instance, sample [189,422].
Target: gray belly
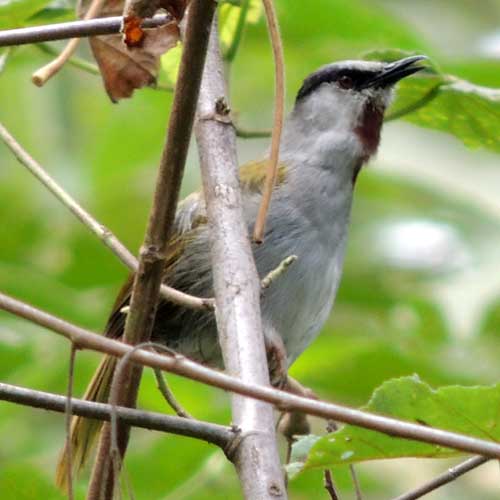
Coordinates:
[295,306]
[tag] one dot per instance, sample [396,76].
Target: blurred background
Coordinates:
[421,287]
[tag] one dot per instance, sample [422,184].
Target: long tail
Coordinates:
[84,431]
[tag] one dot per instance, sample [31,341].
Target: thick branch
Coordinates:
[212,433]
[140,319]
[103,233]
[74,29]
[236,285]
[284,401]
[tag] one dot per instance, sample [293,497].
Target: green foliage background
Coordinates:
[420,292]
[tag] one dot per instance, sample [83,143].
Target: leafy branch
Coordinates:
[284,401]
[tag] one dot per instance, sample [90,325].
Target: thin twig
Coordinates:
[445,478]
[92,69]
[169,396]
[4,57]
[218,435]
[236,285]
[282,400]
[103,233]
[75,61]
[148,278]
[81,29]
[244,133]
[328,484]
[279,113]
[273,275]
[69,413]
[355,482]
[114,394]
[332,426]
[42,75]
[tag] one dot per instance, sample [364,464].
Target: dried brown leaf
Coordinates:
[126,68]
[147,8]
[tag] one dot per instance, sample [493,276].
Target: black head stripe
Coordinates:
[329,74]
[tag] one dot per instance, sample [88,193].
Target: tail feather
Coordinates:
[84,431]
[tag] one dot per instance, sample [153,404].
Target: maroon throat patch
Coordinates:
[369,128]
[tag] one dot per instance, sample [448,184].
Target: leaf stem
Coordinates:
[77,62]
[232,50]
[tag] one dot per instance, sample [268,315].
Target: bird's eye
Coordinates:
[346,82]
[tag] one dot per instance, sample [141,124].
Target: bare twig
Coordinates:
[77,62]
[244,133]
[169,396]
[284,401]
[211,433]
[42,75]
[103,233]
[147,281]
[4,57]
[279,113]
[273,275]
[63,31]
[69,396]
[329,486]
[115,454]
[447,477]
[114,395]
[355,482]
[236,286]
[332,426]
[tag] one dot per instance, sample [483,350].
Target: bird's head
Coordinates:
[350,97]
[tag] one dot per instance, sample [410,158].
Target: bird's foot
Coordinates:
[293,424]
[295,387]
[277,363]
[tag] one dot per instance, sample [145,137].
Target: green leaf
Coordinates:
[472,411]
[52,15]
[14,12]
[469,112]
[446,103]
[170,63]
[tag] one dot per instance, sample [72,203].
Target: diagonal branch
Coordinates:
[211,433]
[103,233]
[284,401]
[444,478]
[236,285]
[144,300]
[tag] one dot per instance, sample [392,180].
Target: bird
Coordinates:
[332,131]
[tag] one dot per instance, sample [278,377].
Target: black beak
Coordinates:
[395,71]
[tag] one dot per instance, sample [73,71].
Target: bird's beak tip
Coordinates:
[397,70]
